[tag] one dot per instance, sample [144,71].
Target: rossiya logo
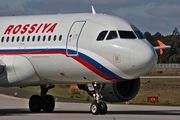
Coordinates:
[30,28]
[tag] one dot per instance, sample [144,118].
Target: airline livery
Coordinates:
[104,55]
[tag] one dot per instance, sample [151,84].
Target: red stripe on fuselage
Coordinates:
[37,52]
[92,68]
[80,60]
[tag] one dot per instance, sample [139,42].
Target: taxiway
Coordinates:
[17,108]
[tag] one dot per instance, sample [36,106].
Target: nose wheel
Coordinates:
[103,108]
[98,107]
[95,108]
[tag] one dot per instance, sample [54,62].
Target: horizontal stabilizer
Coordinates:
[162,47]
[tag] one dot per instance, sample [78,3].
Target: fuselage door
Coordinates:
[73,38]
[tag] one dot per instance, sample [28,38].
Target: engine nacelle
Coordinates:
[118,92]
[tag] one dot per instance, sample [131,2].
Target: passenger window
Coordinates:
[23,39]
[54,37]
[127,34]
[7,39]
[33,38]
[2,39]
[49,38]
[112,35]
[60,37]
[39,37]
[12,39]
[101,35]
[28,38]
[18,39]
[44,38]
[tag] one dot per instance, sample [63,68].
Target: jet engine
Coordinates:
[117,92]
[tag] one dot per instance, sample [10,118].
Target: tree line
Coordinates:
[171,55]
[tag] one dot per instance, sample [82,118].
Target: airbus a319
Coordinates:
[103,54]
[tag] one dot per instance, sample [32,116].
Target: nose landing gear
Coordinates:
[98,107]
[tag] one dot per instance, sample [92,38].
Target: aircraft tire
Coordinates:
[103,108]
[49,103]
[95,108]
[35,103]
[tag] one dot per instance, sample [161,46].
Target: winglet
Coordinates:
[161,44]
[93,10]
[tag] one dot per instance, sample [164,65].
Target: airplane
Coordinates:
[103,54]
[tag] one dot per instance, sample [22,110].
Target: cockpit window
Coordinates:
[127,34]
[137,32]
[112,35]
[139,35]
[101,35]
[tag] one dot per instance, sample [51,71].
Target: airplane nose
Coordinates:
[143,58]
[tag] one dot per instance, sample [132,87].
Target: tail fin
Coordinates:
[161,44]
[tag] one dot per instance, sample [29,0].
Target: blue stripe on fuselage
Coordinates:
[94,63]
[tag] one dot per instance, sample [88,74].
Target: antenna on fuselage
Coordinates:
[93,10]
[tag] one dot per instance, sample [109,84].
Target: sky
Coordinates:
[148,15]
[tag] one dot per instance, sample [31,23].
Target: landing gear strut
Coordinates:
[98,107]
[45,102]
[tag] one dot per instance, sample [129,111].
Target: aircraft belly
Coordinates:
[53,69]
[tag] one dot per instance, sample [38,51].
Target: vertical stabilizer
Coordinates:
[161,44]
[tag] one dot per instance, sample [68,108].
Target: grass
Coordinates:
[164,72]
[63,91]
[167,91]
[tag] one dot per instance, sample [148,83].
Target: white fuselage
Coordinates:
[53,49]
